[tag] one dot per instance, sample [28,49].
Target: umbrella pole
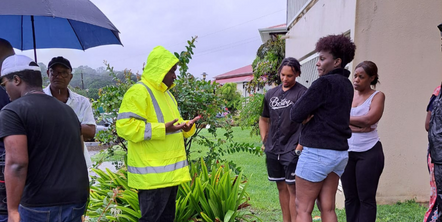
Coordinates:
[33,38]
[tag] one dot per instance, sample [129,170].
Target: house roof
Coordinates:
[243,74]
[246,70]
[278,26]
[235,79]
[276,29]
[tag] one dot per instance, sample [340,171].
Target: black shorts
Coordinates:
[282,167]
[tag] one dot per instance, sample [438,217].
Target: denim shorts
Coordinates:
[315,164]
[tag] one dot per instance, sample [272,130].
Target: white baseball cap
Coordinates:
[17,63]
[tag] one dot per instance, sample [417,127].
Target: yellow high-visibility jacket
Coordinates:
[155,159]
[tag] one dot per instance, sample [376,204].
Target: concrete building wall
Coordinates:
[325,17]
[401,37]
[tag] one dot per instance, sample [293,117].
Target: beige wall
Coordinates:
[324,18]
[401,37]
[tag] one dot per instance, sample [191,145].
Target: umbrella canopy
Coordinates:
[76,24]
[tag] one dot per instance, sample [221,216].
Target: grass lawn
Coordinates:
[264,195]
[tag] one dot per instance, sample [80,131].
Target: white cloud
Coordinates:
[227,30]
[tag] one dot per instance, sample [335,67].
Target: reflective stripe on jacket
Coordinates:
[155,159]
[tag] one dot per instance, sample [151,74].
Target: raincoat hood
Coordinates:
[159,62]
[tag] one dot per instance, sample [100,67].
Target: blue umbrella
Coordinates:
[75,24]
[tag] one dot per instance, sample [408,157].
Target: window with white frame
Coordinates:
[308,70]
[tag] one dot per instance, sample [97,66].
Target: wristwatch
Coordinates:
[298,152]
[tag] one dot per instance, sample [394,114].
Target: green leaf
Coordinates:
[229,216]
[135,214]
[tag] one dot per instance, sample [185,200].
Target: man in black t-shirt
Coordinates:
[46,175]
[280,135]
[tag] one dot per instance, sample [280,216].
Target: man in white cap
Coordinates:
[45,173]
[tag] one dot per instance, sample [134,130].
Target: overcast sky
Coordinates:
[227,33]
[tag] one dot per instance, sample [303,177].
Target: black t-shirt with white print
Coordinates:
[283,135]
[57,172]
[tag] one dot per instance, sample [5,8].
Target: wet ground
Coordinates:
[93,149]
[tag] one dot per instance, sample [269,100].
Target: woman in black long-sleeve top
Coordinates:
[326,109]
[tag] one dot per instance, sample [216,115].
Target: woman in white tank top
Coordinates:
[366,157]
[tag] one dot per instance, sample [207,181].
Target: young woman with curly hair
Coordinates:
[325,111]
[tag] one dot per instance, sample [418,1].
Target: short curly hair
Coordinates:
[340,46]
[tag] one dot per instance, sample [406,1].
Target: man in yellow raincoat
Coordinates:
[151,123]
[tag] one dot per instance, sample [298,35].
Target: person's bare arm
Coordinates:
[357,129]
[373,115]
[16,169]
[427,121]
[88,131]
[82,143]
[264,124]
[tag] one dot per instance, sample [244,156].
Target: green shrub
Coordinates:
[231,96]
[216,196]
[111,199]
[250,112]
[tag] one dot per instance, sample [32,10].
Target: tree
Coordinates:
[194,97]
[102,71]
[265,71]
[230,94]
[88,74]
[109,101]
[199,97]
[265,66]
[44,74]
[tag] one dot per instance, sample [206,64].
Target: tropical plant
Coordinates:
[219,195]
[111,199]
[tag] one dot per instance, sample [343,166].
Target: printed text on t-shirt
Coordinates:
[276,103]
